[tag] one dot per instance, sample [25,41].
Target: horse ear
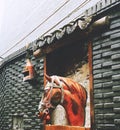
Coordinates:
[48,77]
[67,85]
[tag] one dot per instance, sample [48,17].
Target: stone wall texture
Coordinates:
[106,74]
[20,99]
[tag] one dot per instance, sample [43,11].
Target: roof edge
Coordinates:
[101,7]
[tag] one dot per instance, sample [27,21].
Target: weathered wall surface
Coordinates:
[18,98]
[81,76]
[21,99]
[106,74]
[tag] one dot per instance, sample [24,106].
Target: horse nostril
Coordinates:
[46,111]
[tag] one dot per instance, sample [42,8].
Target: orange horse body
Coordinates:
[74,98]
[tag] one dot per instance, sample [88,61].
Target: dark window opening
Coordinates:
[67,59]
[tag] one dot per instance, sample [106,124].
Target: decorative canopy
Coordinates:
[81,23]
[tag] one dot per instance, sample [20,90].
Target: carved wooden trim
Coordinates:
[91,84]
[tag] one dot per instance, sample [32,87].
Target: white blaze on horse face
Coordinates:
[45,103]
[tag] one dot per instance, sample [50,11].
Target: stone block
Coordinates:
[97,61]
[108,105]
[116,35]
[106,54]
[97,86]
[108,95]
[107,74]
[116,110]
[116,77]
[98,76]
[115,56]
[109,116]
[116,45]
[98,106]
[116,99]
[96,47]
[99,116]
[97,66]
[116,88]
[107,63]
[97,96]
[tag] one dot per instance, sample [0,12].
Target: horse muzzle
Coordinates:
[44,115]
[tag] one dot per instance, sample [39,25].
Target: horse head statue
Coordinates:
[71,95]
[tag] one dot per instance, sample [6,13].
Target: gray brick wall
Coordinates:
[106,74]
[18,98]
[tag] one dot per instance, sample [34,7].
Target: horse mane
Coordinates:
[74,87]
[73,98]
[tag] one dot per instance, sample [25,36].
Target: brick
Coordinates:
[116,105]
[116,71]
[116,110]
[98,81]
[98,76]
[116,77]
[108,95]
[106,54]
[115,67]
[116,45]
[116,99]
[97,52]
[96,71]
[97,61]
[41,60]
[96,47]
[100,85]
[109,116]
[107,74]
[99,116]
[116,35]
[116,25]
[97,96]
[107,64]
[116,88]
[106,44]
[117,116]
[106,126]
[115,56]
[95,57]
[108,105]
[100,105]
[98,66]
[98,111]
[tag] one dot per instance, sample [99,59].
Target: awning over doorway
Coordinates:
[81,23]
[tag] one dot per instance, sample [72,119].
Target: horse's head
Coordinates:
[53,95]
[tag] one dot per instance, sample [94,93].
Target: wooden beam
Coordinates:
[99,25]
[58,127]
[91,84]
